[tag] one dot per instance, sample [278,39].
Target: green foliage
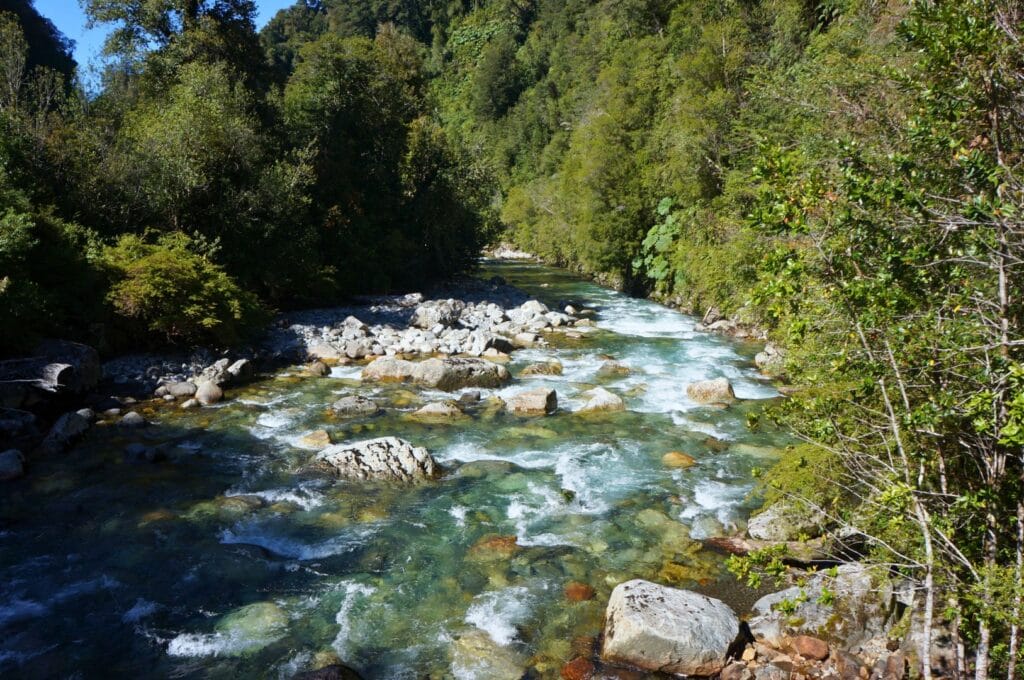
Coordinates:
[172,292]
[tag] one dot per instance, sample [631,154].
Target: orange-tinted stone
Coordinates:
[578,592]
[678,459]
[578,669]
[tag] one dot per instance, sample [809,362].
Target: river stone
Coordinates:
[324,352]
[668,630]
[476,655]
[209,393]
[437,312]
[552,367]
[355,406]
[334,671]
[612,369]
[539,402]
[599,399]
[68,428]
[386,458]
[442,374]
[319,369]
[439,410]
[856,619]
[12,465]
[678,459]
[318,439]
[180,389]
[254,626]
[786,521]
[132,419]
[717,391]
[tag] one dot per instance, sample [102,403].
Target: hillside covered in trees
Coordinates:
[845,174]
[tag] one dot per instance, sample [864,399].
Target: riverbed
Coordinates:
[231,559]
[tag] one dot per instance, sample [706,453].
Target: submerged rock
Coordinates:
[538,402]
[601,400]
[476,655]
[552,367]
[12,465]
[668,630]
[386,458]
[355,406]
[717,391]
[612,369]
[678,459]
[335,671]
[318,439]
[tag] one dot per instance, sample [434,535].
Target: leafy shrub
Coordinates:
[167,289]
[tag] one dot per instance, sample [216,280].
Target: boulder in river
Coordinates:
[442,374]
[68,428]
[668,630]
[553,367]
[439,411]
[12,465]
[539,402]
[355,407]
[180,389]
[612,369]
[717,391]
[209,393]
[386,459]
[318,369]
[600,400]
[335,671]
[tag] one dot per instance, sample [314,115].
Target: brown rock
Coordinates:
[578,592]
[546,368]
[749,654]
[318,439]
[494,547]
[678,459]
[809,647]
[895,666]
[537,402]
[578,669]
[318,368]
[734,671]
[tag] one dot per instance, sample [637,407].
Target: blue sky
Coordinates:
[67,15]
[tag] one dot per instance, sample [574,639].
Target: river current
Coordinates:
[228,560]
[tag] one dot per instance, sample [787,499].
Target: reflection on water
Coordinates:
[230,559]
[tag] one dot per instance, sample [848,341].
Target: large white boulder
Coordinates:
[386,458]
[442,374]
[539,402]
[666,629]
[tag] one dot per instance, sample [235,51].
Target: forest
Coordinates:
[846,174]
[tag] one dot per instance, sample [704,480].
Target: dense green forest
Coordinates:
[843,173]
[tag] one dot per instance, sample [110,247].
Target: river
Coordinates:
[228,560]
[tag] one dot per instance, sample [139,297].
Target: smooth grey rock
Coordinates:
[437,312]
[786,521]
[190,403]
[68,428]
[355,406]
[666,629]
[12,465]
[717,391]
[539,402]
[439,410]
[180,389]
[209,393]
[132,419]
[601,400]
[319,369]
[386,458]
[324,351]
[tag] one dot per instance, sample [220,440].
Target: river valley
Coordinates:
[231,559]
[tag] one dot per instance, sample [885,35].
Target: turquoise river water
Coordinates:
[232,560]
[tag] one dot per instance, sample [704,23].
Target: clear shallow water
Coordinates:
[230,559]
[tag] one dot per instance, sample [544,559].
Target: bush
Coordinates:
[167,289]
